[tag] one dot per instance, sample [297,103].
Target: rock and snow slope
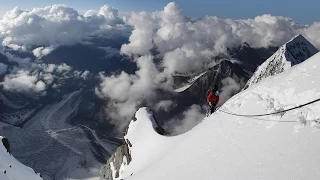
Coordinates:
[293,52]
[283,146]
[10,168]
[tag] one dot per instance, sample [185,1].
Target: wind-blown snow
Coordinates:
[17,171]
[283,146]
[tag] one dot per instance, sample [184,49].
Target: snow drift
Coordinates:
[10,168]
[223,146]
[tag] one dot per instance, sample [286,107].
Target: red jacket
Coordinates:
[213,98]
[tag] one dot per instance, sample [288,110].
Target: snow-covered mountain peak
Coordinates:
[295,51]
[10,168]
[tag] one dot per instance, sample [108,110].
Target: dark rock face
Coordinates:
[115,162]
[6,144]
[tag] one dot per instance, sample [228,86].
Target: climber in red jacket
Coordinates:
[213,99]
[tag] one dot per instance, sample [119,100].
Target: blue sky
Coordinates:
[304,12]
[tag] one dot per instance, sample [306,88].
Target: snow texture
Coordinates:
[222,146]
[293,52]
[10,168]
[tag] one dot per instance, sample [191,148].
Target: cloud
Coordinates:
[85,75]
[165,105]
[182,46]
[35,78]
[126,92]
[23,62]
[3,68]
[53,26]
[23,82]
[229,88]
[190,118]
[186,46]
[42,51]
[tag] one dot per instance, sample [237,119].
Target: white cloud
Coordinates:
[165,105]
[142,35]
[187,46]
[63,68]
[229,88]
[23,82]
[42,51]
[126,91]
[3,68]
[190,118]
[35,78]
[85,75]
[52,26]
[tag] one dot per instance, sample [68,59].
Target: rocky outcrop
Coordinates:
[122,155]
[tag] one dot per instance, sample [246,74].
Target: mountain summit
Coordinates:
[293,52]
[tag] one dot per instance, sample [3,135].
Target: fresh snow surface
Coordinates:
[147,145]
[293,52]
[224,146]
[190,82]
[18,171]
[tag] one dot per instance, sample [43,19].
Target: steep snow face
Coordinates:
[145,145]
[293,52]
[10,168]
[223,146]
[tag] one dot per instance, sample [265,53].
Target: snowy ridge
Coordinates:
[231,147]
[189,84]
[293,52]
[145,145]
[10,168]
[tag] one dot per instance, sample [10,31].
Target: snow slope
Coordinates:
[17,171]
[293,52]
[144,150]
[223,146]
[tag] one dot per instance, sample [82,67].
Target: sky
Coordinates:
[303,12]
